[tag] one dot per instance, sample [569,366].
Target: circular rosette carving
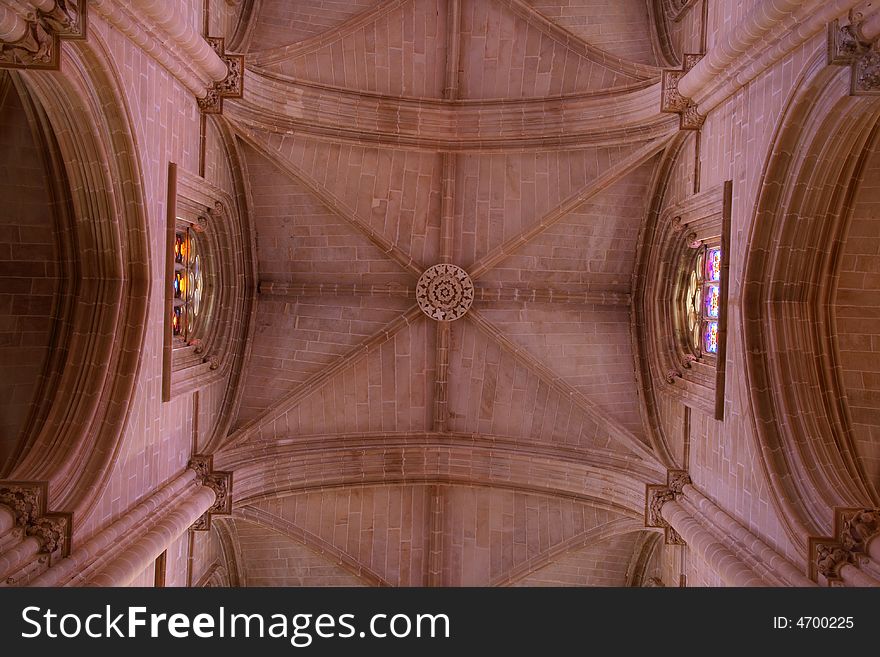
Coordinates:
[445,292]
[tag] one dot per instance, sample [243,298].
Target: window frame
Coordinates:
[190,360]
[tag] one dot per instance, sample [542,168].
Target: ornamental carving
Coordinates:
[67,18]
[830,558]
[445,292]
[232,86]
[853,529]
[40,45]
[656,496]
[220,482]
[676,480]
[672,375]
[27,501]
[672,101]
[38,48]
[848,46]
[866,73]
[691,119]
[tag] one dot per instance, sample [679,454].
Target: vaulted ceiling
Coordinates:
[518,140]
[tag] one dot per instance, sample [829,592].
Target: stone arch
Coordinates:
[799,220]
[40,280]
[266,471]
[650,318]
[76,445]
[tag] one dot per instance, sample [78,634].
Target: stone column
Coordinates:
[732,570]
[30,536]
[771,30]
[855,45]
[118,553]
[139,555]
[12,26]
[170,18]
[761,557]
[739,557]
[851,555]
[101,547]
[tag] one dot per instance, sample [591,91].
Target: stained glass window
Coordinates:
[712,300]
[713,265]
[711,337]
[703,301]
[187,284]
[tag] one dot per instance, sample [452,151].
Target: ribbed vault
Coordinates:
[502,137]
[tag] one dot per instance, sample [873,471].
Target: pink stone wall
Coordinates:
[736,140]
[500,195]
[206,553]
[401,53]
[273,559]
[157,442]
[29,272]
[300,239]
[590,347]
[505,57]
[620,27]
[282,22]
[602,564]
[489,533]
[857,310]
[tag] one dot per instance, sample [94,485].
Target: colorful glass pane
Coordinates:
[713,299]
[187,284]
[178,248]
[713,265]
[175,320]
[179,285]
[710,337]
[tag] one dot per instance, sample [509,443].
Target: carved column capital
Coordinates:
[657,495]
[220,482]
[232,86]
[673,102]
[848,46]
[27,501]
[67,18]
[853,529]
[40,46]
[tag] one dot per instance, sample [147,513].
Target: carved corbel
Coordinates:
[693,242]
[657,495]
[848,46]
[40,46]
[211,214]
[853,530]
[220,482]
[232,86]
[28,501]
[672,101]
[672,375]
